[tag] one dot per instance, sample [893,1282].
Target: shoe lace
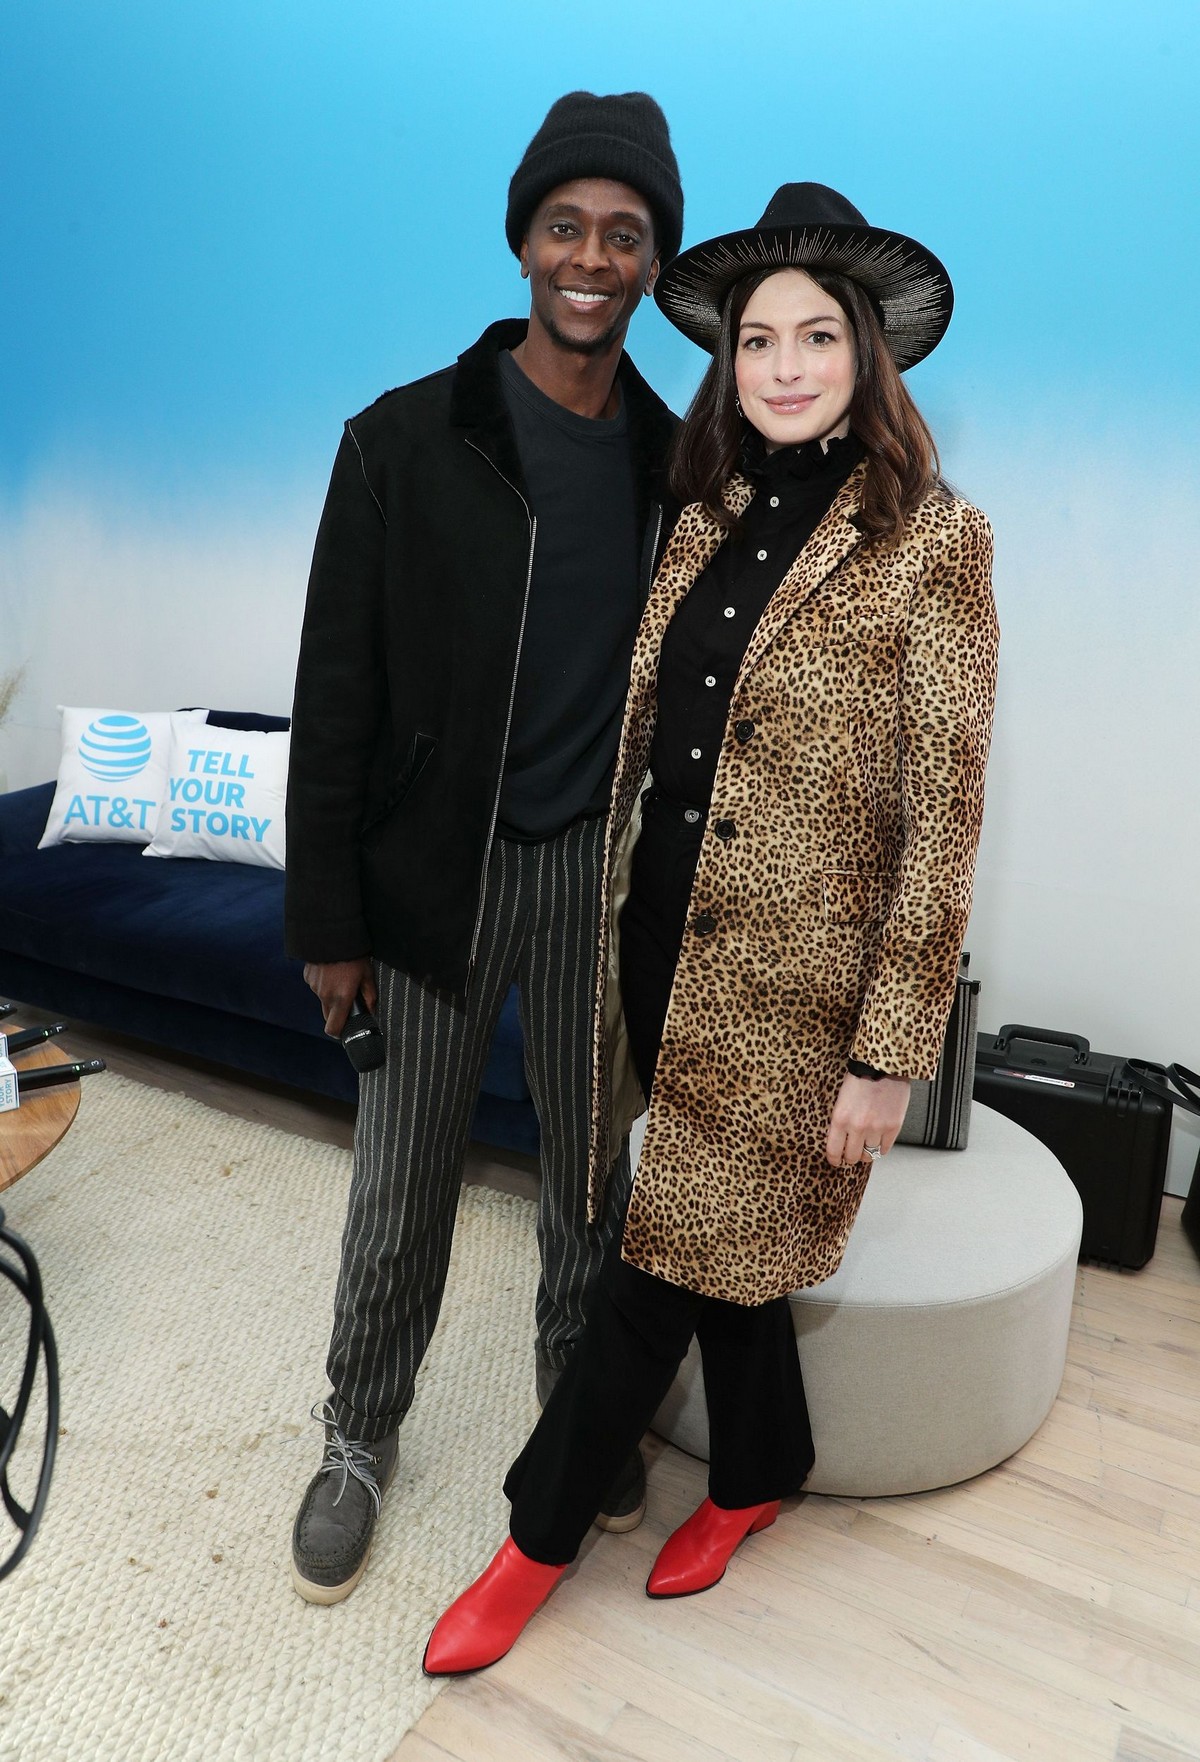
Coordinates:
[347,1456]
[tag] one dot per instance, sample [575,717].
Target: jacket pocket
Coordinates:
[420,751]
[855,896]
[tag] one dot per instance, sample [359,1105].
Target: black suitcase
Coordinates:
[1109,1132]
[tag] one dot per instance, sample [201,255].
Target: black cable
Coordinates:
[28,1282]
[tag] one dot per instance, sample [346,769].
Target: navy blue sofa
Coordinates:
[188,954]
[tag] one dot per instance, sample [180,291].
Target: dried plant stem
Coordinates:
[10,686]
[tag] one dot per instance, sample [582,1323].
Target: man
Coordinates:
[482,560]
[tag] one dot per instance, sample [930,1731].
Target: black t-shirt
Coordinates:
[712,626]
[582,614]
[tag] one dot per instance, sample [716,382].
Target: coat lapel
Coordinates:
[832,542]
[694,543]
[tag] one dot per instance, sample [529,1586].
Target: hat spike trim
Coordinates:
[909,294]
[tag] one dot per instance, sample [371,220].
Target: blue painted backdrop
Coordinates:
[229,225]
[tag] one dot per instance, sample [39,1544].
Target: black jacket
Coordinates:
[408,660]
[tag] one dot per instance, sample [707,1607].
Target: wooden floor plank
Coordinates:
[1094,1439]
[952,1745]
[644,1735]
[479,1719]
[1028,1509]
[1140,1746]
[1163,1625]
[416,1747]
[556,1669]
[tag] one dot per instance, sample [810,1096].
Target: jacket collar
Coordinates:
[477,405]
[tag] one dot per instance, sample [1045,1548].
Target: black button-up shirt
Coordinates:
[711,629]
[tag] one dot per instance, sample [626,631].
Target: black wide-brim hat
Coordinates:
[808,226]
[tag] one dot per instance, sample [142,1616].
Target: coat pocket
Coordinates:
[856,896]
[420,751]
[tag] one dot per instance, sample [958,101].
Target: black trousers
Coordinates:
[639,1327]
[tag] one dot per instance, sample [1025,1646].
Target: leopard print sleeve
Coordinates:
[947,683]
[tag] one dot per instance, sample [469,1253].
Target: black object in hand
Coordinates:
[362,1038]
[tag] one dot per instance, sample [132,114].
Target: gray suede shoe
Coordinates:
[331,1538]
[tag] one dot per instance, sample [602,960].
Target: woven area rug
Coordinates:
[189,1262]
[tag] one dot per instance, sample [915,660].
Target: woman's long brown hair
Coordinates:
[902,459]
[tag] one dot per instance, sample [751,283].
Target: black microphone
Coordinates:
[50,1075]
[362,1037]
[27,1037]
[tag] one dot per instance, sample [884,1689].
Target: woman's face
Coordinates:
[794,361]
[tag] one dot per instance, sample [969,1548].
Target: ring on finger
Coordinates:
[874,1151]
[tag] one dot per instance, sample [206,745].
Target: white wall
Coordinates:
[1087,899]
[109,606]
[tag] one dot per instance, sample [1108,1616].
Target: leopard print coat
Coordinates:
[828,923]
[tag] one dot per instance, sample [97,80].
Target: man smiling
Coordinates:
[485,550]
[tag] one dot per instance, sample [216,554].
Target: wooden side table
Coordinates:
[31,1131]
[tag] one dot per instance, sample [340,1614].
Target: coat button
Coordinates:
[744,731]
[725,830]
[705,924]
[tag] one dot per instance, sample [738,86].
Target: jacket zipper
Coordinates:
[654,551]
[512,693]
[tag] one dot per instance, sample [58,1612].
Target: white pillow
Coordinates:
[224,796]
[112,775]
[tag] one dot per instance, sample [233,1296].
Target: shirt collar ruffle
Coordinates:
[806,463]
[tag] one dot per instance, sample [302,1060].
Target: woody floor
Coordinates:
[1048,1610]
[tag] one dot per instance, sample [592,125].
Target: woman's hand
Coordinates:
[336,983]
[867,1111]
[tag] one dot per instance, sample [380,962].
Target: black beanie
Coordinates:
[624,137]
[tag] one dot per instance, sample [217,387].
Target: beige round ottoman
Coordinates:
[938,1346]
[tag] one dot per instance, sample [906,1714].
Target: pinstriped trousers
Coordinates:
[540,926]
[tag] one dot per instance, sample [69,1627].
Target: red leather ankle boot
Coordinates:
[696,1556]
[485,1622]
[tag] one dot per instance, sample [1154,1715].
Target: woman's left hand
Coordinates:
[868,1111]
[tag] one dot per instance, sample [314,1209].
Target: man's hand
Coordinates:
[336,984]
[867,1111]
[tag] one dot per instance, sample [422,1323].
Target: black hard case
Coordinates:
[1110,1135]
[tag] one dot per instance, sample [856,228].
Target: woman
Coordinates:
[810,707]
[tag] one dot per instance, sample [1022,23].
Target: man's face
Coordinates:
[590,256]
